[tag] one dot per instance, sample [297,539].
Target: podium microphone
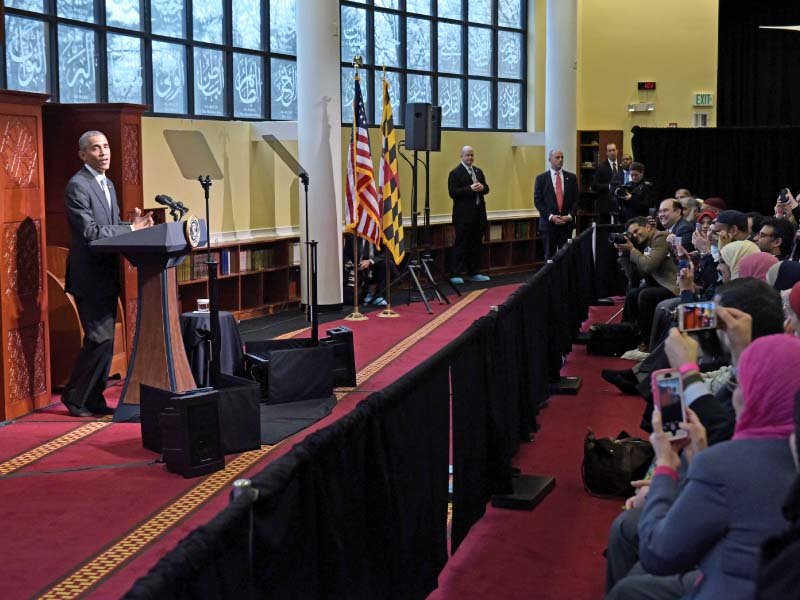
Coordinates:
[174,211]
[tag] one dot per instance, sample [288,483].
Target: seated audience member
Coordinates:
[704,219]
[715,205]
[731,499]
[371,273]
[754,220]
[731,255]
[784,275]
[756,265]
[776,237]
[791,310]
[730,226]
[670,215]
[691,208]
[635,198]
[682,193]
[656,269]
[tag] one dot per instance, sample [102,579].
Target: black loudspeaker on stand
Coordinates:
[423,126]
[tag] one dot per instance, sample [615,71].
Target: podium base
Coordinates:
[529,491]
[566,385]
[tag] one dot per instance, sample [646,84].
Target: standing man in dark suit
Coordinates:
[606,170]
[93,279]
[467,187]
[555,195]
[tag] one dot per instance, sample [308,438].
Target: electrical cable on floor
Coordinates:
[144,463]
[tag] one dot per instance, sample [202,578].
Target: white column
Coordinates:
[320,141]
[560,107]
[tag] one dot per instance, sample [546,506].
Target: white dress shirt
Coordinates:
[102,181]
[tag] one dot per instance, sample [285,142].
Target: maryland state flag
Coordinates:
[389,183]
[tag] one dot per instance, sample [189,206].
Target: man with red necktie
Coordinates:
[555,195]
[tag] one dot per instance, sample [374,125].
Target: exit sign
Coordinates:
[704,99]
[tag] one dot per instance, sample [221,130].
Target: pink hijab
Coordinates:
[756,265]
[769,378]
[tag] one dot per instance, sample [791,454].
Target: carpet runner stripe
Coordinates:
[118,553]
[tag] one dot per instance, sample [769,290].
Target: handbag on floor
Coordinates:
[609,465]
[612,339]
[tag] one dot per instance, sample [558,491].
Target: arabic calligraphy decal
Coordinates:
[450,9]
[480,51]
[77,64]
[283,100]
[509,105]
[247,24]
[26,55]
[509,13]
[418,44]
[80,10]
[283,26]
[509,54]
[450,99]
[207,20]
[124,68]
[421,7]
[418,88]
[348,91]
[169,78]
[480,11]
[209,82]
[354,33]
[248,86]
[124,13]
[480,104]
[449,47]
[168,17]
[18,151]
[387,39]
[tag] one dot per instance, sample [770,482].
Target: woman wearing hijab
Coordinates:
[756,265]
[732,497]
[784,275]
[731,254]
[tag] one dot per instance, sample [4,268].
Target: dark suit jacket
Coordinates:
[606,203]
[684,231]
[544,198]
[642,198]
[91,274]
[465,209]
[730,503]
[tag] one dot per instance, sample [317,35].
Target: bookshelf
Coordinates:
[262,275]
[591,151]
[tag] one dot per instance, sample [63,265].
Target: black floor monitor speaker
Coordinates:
[423,124]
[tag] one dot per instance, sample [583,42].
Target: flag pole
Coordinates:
[356,315]
[388,312]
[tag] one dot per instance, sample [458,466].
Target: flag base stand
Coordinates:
[356,316]
[388,313]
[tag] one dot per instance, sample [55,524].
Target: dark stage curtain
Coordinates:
[757,83]
[744,166]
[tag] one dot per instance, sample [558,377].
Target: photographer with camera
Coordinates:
[653,267]
[636,197]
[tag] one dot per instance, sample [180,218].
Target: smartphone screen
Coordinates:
[669,398]
[697,316]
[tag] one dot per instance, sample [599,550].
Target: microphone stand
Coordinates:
[214,366]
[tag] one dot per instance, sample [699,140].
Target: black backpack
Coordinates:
[609,465]
[612,339]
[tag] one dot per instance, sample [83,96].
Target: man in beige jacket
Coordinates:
[654,268]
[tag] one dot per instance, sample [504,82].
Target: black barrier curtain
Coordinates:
[745,166]
[608,275]
[757,83]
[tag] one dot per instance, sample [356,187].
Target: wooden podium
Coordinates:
[158,357]
[25,345]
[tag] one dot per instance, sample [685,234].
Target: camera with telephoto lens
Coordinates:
[619,238]
[623,190]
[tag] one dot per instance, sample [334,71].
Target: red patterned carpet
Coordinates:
[87,510]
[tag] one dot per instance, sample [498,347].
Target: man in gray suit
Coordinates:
[93,279]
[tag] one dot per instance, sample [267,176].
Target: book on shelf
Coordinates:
[495,232]
[294,258]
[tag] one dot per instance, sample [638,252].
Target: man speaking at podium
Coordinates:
[93,279]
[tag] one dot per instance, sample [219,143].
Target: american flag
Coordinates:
[363,208]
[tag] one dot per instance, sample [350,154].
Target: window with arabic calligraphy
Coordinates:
[26,54]
[283,26]
[395,98]
[168,17]
[509,54]
[169,78]
[79,10]
[248,86]
[284,89]
[30,5]
[479,104]
[77,64]
[247,24]
[418,44]
[450,48]
[124,13]
[125,82]
[353,30]
[509,13]
[387,39]
[480,11]
[451,100]
[480,51]
[388,4]
[451,9]
[209,82]
[207,20]
[421,7]
[418,88]
[509,105]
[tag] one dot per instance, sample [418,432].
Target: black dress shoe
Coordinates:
[102,410]
[625,381]
[76,411]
